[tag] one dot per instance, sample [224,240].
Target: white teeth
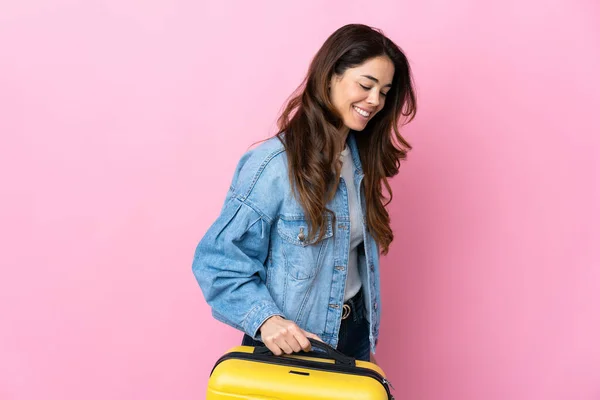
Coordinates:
[362,112]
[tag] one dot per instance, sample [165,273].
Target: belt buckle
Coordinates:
[346,311]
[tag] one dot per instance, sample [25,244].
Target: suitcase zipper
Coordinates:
[309,365]
[388,383]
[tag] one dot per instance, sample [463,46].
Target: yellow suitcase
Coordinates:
[247,372]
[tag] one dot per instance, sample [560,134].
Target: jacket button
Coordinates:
[334,306]
[340,268]
[372,268]
[301,236]
[375,305]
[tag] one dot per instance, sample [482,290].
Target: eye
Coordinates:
[367,88]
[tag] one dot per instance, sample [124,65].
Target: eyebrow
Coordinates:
[376,80]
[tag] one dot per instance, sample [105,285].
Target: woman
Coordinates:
[294,253]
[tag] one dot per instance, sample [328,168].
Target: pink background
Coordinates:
[121,123]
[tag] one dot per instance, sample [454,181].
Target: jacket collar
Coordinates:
[351,141]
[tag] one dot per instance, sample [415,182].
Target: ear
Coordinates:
[333,78]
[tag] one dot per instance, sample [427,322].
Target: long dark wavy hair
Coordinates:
[310,127]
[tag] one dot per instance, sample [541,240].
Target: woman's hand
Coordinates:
[284,336]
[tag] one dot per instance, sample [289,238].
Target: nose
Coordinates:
[373,98]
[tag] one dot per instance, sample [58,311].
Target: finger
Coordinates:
[297,340]
[271,345]
[294,344]
[283,345]
[313,336]
[302,340]
[288,336]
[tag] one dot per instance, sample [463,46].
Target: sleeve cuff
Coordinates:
[257,316]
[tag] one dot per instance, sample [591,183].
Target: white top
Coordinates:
[353,282]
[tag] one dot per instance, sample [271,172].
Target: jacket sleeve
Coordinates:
[229,265]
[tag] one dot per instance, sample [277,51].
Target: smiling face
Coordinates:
[359,93]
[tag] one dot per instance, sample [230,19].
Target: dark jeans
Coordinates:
[354,332]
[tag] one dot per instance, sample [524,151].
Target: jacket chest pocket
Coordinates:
[303,257]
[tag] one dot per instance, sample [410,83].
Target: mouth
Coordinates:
[361,112]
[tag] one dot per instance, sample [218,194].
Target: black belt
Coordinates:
[355,306]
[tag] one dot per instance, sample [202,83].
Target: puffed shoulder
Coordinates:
[261,178]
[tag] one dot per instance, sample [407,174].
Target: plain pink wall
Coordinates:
[121,123]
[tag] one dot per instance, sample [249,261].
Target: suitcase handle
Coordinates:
[339,357]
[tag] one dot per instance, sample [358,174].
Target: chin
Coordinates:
[356,127]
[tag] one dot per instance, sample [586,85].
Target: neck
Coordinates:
[343,137]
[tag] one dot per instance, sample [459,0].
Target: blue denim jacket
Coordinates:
[254,261]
